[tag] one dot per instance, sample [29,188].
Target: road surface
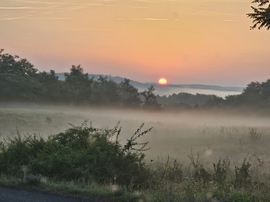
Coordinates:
[18,195]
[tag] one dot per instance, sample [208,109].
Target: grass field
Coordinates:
[212,135]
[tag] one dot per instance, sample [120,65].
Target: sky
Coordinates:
[184,41]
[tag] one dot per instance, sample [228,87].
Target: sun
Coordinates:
[162,81]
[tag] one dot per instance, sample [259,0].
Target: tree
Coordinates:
[18,79]
[266,89]
[105,92]
[129,95]
[78,85]
[14,65]
[260,15]
[19,88]
[150,99]
[52,88]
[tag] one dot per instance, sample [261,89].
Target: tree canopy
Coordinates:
[20,81]
[261,14]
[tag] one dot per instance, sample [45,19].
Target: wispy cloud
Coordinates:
[11,18]
[228,20]
[142,19]
[60,3]
[49,18]
[15,7]
[42,9]
[90,29]
[155,19]
[213,13]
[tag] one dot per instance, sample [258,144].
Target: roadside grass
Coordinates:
[75,190]
[166,189]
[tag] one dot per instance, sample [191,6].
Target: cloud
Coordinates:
[11,18]
[90,29]
[43,2]
[142,19]
[59,3]
[44,9]
[53,18]
[155,19]
[15,7]
[228,20]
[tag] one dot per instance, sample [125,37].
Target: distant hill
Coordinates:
[173,88]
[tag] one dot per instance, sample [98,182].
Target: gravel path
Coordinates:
[17,195]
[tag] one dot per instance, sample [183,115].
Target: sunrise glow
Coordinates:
[162,81]
[208,42]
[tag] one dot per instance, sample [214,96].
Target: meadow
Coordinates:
[185,141]
[212,134]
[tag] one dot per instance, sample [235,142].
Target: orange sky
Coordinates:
[185,41]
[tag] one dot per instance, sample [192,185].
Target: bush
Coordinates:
[81,153]
[18,151]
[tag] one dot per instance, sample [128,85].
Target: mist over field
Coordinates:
[213,134]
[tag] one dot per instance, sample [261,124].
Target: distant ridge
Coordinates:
[162,89]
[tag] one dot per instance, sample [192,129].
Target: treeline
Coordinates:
[255,95]
[184,100]
[21,82]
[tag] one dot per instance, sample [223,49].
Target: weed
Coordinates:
[170,172]
[48,120]
[33,180]
[221,171]
[242,176]
[199,173]
[254,135]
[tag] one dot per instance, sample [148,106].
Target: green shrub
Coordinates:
[18,151]
[81,153]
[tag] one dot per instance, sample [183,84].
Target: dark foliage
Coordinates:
[242,175]
[255,95]
[20,81]
[260,15]
[81,153]
[150,99]
[183,100]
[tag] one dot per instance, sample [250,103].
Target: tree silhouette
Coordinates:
[10,64]
[150,99]
[260,15]
[78,85]
[18,79]
[52,88]
[106,91]
[129,95]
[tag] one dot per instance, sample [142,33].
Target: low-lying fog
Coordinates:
[214,135]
